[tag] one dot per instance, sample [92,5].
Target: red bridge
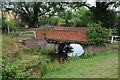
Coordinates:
[63,34]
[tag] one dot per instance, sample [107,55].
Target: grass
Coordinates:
[116,44]
[103,65]
[15,50]
[8,41]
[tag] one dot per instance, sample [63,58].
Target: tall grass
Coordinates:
[49,67]
[104,65]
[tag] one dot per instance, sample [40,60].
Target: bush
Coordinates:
[71,23]
[11,24]
[97,35]
[43,69]
[11,71]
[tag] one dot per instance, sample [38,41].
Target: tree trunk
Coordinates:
[66,21]
[35,18]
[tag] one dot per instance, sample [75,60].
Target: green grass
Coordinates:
[116,44]
[8,41]
[104,65]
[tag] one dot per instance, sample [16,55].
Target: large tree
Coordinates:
[102,12]
[30,11]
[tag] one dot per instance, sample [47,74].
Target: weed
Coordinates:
[49,67]
[87,55]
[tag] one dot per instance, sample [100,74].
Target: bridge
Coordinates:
[63,35]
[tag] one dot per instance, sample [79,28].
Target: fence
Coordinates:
[114,38]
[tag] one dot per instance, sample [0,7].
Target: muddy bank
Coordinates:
[98,49]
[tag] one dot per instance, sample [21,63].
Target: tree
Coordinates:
[97,35]
[103,13]
[30,11]
[81,17]
[66,15]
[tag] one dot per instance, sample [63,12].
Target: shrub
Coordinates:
[43,69]
[11,24]
[97,35]
[11,71]
[72,23]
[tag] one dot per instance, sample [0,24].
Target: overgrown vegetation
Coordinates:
[16,66]
[104,65]
[49,67]
[11,71]
[16,59]
[97,35]
[38,51]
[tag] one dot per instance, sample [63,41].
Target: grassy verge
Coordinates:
[116,44]
[103,65]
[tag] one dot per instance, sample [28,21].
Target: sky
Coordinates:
[92,2]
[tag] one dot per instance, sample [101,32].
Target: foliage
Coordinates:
[46,27]
[97,35]
[81,17]
[49,67]
[98,66]
[54,20]
[11,24]
[29,12]
[10,70]
[87,55]
[8,40]
[102,13]
[73,58]
[3,24]
[66,15]
[38,51]
[36,61]
[47,20]
[43,70]
[0,22]
[72,23]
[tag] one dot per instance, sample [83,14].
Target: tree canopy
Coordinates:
[102,12]
[30,11]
